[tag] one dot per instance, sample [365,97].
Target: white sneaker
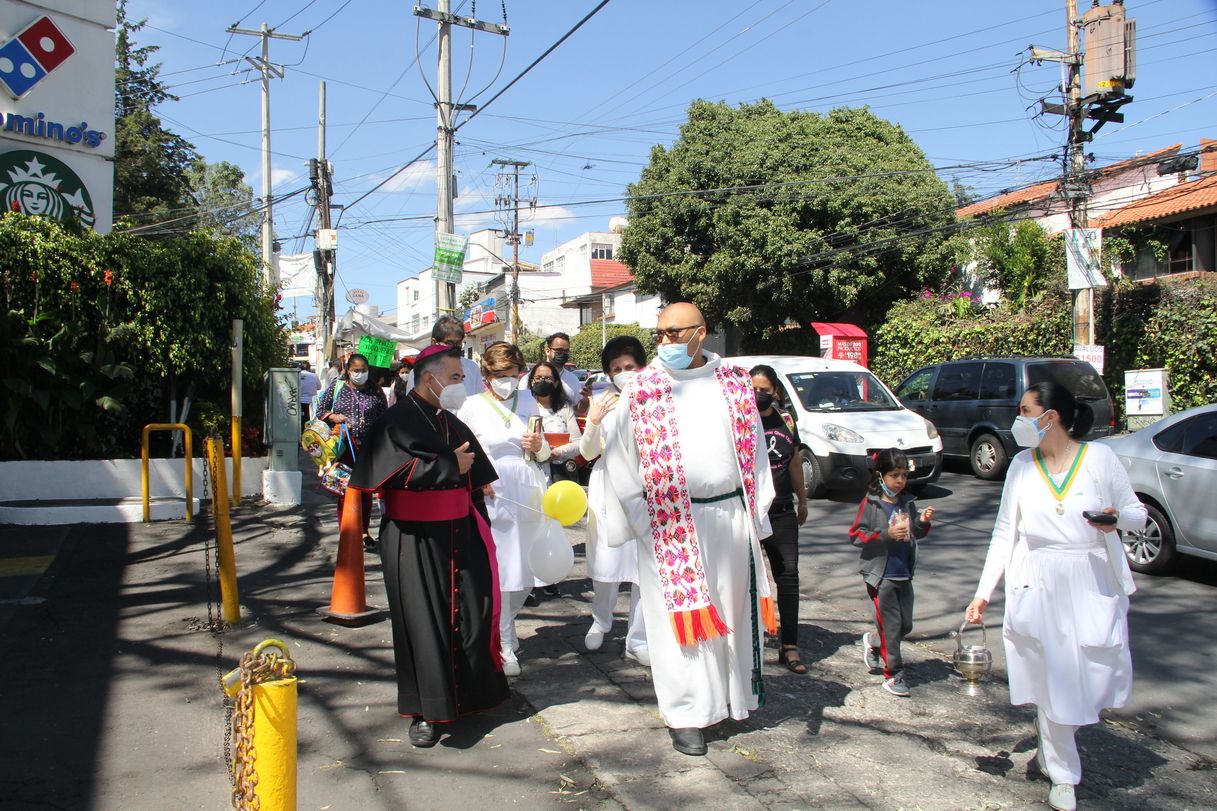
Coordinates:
[1061,797]
[511,665]
[593,640]
[642,656]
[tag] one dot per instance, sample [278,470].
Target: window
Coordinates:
[1180,252]
[958,381]
[1171,439]
[416,294]
[602,251]
[560,264]
[1077,376]
[548,267]
[997,383]
[1200,439]
[916,386]
[841,391]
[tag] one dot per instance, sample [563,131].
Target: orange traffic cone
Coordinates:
[348,600]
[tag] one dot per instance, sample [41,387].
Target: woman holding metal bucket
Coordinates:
[1065,628]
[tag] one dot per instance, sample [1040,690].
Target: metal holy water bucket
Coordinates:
[972,661]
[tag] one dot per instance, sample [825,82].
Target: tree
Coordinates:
[761,217]
[224,201]
[585,346]
[1021,260]
[151,163]
[965,195]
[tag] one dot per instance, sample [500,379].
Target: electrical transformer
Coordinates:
[1111,51]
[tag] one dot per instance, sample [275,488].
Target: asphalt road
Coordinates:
[1174,637]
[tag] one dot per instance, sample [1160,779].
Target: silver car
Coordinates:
[1173,468]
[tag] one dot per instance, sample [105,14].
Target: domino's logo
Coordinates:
[26,59]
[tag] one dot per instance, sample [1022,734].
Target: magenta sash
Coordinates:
[451,505]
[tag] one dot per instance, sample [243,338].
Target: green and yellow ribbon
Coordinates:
[1059,492]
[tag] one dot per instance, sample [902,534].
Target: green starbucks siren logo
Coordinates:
[36,183]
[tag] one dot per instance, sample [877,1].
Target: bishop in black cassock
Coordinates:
[437,550]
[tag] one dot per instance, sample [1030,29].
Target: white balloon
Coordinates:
[551,557]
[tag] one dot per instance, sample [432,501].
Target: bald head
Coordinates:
[680,314]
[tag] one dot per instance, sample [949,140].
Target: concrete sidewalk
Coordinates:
[109,700]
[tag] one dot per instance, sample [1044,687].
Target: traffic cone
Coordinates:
[348,599]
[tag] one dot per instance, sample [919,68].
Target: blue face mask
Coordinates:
[675,356]
[887,491]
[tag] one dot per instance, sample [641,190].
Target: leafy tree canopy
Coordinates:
[1021,260]
[822,217]
[224,200]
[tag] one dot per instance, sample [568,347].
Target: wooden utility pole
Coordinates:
[445,180]
[323,186]
[263,65]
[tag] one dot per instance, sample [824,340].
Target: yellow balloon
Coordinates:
[565,502]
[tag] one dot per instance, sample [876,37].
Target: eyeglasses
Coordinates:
[672,333]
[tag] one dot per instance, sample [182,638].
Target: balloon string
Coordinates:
[518,504]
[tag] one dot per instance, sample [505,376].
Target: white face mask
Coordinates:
[1027,432]
[359,378]
[622,378]
[504,387]
[451,397]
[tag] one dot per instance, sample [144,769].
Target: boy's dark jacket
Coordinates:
[869,531]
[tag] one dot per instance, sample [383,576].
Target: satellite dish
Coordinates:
[618,224]
[357,296]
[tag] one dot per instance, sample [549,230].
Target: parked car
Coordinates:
[973,403]
[845,414]
[1173,468]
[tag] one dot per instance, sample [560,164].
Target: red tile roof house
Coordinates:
[1117,190]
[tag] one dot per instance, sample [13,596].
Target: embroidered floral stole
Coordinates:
[682,576]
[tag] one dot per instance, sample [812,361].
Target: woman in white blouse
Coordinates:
[499,418]
[1067,582]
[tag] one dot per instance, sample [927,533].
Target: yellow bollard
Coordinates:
[267,716]
[236,461]
[219,506]
[143,465]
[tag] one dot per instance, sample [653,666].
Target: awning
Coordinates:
[841,330]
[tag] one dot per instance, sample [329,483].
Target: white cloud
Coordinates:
[413,177]
[278,176]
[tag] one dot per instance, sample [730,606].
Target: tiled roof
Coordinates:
[1167,203]
[1041,191]
[609,273]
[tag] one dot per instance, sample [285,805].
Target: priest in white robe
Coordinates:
[691,473]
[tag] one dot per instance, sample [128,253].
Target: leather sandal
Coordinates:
[789,656]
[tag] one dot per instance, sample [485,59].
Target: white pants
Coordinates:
[1060,750]
[509,606]
[604,599]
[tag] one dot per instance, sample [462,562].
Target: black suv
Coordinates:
[973,402]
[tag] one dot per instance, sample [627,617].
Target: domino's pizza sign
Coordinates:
[57,109]
[26,59]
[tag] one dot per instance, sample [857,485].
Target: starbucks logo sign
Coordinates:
[36,183]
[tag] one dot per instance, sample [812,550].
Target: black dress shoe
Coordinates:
[688,740]
[423,733]
[532,600]
[551,591]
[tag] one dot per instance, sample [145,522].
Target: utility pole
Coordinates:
[325,257]
[513,232]
[1107,32]
[444,109]
[264,66]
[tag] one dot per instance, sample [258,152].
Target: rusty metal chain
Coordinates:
[255,668]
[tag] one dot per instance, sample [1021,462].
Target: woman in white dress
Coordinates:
[610,566]
[1065,627]
[499,418]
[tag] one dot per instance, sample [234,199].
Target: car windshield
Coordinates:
[1080,378]
[841,391]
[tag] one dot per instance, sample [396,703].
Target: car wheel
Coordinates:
[1150,550]
[813,479]
[988,457]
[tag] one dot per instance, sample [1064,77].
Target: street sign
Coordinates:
[327,239]
[357,296]
[1083,254]
[449,257]
[1092,354]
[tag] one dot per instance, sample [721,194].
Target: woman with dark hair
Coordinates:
[505,420]
[1065,628]
[610,566]
[356,401]
[557,417]
[788,510]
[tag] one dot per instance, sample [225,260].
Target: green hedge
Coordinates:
[1171,325]
[99,334]
[585,346]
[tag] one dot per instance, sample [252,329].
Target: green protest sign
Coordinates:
[378,351]
[449,257]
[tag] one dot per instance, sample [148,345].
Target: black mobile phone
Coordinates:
[1106,519]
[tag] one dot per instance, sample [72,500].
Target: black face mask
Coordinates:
[764,400]
[561,356]
[543,388]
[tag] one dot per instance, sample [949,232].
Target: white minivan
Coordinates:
[844,414]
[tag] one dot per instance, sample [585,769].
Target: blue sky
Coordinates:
[588,115]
